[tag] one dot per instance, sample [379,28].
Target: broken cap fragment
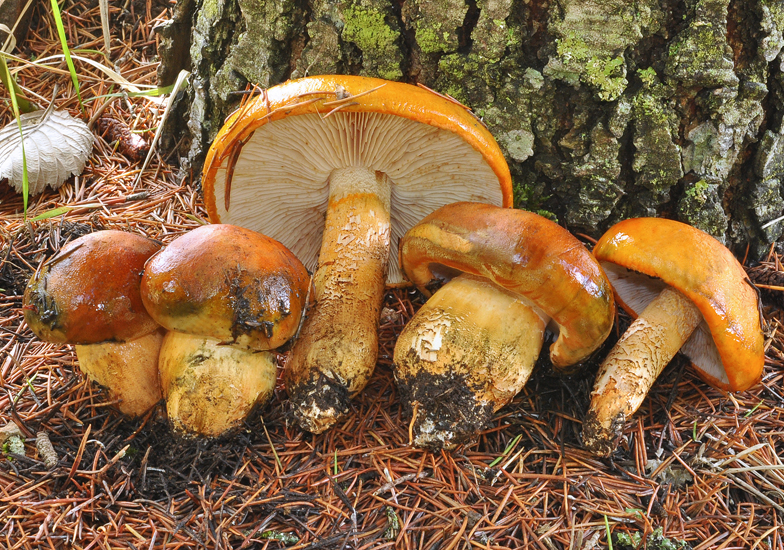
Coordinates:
[688,292]
[470,349]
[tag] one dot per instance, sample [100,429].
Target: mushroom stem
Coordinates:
[210,386]
[631,367]
[129,370]
[336,351]
[466,353]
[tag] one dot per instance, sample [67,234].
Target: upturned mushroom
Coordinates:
[472,346]
[688,293]
[88,295]
[227,295]
[338,168]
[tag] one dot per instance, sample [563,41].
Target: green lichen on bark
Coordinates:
[597,175]
[436,24]
[604,108]
[591,38]
[767,192]
[657,158]
[701,55]
[701,207]
[492,35]
[771,14]
[322,53]
[371,27]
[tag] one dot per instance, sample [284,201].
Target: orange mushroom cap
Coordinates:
[525,253]
[229,283]
[89,291]
[706,272]
[253,165]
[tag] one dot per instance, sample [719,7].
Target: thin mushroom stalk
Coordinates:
[632,366]
[335,354]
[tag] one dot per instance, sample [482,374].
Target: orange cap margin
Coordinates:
[317,94]
[706,272]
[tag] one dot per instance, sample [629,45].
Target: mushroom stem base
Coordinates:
[335,354]
[630,369]
[210,387]
[466,353]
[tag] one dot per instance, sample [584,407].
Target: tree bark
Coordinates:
[605,109]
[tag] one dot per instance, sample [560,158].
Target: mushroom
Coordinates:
[688,293]
[338,168]
[472,346]
[227,295]
[88,295]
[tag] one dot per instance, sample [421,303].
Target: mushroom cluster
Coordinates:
[342,172]
[194,323]
[228,296]
[337,168]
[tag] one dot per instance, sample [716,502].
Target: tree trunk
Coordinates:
[606,109]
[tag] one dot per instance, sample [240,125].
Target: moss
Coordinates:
[366,27]
[607,76]
[432,39]
[700,54]
[701,207]
[436,24]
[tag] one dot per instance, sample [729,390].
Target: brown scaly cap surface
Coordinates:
[89,292]
[527,254]
[708,274]
[228,283]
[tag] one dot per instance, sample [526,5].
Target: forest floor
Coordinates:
[696,467]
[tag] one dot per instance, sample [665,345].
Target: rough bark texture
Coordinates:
[605,109]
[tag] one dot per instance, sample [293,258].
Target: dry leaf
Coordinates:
[56,146]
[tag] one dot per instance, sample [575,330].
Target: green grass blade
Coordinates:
[506,451]
[66,52]
[52,213]
[15,105]
[23,104]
